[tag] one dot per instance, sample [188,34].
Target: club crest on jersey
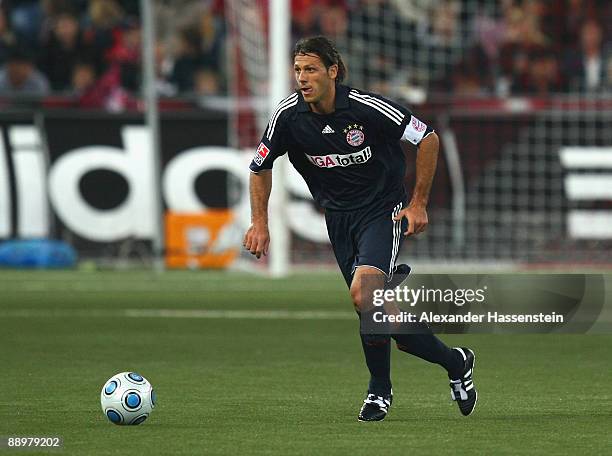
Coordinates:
[354,135]
[261,154]
[333,160]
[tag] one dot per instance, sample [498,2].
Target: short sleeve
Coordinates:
[267,151]
[273,144]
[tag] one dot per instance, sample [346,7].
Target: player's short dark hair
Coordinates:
[325,50]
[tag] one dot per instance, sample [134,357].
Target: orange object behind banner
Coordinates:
[200,240]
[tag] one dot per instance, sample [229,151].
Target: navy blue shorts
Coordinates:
[366,238]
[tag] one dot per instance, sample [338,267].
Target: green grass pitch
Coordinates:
[244,365]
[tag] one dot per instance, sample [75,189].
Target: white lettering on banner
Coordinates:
[178,182]
[588,224]
[30,177]
[5,195]
[588,186]
[134,217]
[182,171]
[585,224]
[331,161]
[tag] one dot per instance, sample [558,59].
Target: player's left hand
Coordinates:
[416,215]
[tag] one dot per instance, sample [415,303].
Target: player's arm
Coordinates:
[272,145]
[412,130]
[257,237]
[426,162]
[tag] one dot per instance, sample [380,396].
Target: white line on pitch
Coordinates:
[46,287]
[279,314]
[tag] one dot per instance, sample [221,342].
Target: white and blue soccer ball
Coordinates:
[127,398]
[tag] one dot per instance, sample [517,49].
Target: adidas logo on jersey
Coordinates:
[327,130]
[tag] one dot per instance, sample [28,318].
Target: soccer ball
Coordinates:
[127,398]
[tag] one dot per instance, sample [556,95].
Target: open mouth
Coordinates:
[306,90]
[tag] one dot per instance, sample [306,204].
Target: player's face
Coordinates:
[314,80]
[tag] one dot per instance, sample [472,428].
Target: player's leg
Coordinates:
[378,246]
[376,347]
[376,350]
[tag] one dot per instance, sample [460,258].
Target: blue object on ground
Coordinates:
[37,253]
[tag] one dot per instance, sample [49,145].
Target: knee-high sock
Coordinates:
[425,345]
[377,351]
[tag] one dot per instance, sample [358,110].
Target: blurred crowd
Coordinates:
[538,47]
[470,47]
[90,49]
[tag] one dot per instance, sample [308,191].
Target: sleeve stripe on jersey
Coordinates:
[379,109]
[380,102]
[285,104]
[381,106]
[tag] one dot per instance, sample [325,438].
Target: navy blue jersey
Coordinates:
[351,158]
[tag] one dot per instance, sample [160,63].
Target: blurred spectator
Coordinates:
[107,93]
[197,44]
[19,75]
[187,60]
[26,18]
[206,82]
[587,66]
[574,13]
[304,18]
[543,77]
[102,23]
[443,38]
[117,88]
[83,77]
[63,47]
[211,35]
[372,65]
[173,14]
[468,77]
[163,67]
[334,21]
[126,54]
[7,38]
[524,56]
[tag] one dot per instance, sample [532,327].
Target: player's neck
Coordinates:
[326,105]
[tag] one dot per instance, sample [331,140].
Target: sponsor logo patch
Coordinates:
[261,154]
[334,160]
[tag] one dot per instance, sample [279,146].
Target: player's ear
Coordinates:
[332,71]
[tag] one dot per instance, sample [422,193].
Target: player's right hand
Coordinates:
[257,240]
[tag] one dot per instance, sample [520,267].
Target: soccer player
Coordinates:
[346,145]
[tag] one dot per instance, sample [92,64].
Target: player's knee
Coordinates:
[357,298]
